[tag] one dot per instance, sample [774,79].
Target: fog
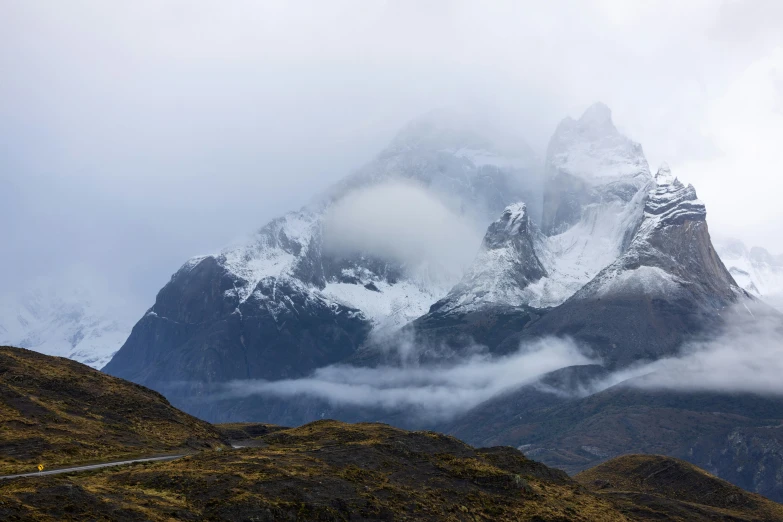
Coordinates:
[434,392]
[405,222]
[135,135]
[747,357]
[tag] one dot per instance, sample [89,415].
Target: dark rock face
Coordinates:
[195,333]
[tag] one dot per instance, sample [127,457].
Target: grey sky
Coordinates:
[134,135]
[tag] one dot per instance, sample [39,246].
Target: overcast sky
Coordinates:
[134,135]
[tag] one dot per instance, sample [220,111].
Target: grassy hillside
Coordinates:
[738,436]
[321,471]
[58,412]
[61,412]
[651,487]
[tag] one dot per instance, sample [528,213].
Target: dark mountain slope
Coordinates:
[202,329]
[651,487]
[738,437]
[59,412]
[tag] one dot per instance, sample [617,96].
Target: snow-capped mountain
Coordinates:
[625,263]
[670,253]
[506,265]
[668,285]
[282,303]
[72,324]
[591,215]
[754,269]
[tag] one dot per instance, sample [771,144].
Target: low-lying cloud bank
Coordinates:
[747,356]
[436,391]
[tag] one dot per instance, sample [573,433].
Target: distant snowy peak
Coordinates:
[70,324]
[754,269]
[591,166]
[472,167]
[593,149]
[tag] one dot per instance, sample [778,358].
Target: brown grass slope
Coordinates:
[61,412]
[652,487]
[328,471]
[58,412]
[332,471]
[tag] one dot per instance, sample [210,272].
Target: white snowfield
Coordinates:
[577,255]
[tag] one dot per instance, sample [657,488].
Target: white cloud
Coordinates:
[403,221]
[746,356]
[742,182]
[432,391]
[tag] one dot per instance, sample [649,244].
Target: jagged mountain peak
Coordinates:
[664,175]
[514,221]
[670,202]
[468,130]
[596,115]
[440,128]
[80,323]
[593,149]
[505,266]
[666,286]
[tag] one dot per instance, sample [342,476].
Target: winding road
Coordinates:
[91,466]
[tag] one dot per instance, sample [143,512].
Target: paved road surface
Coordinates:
[92,466]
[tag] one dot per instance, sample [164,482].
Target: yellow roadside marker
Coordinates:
[40,467]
